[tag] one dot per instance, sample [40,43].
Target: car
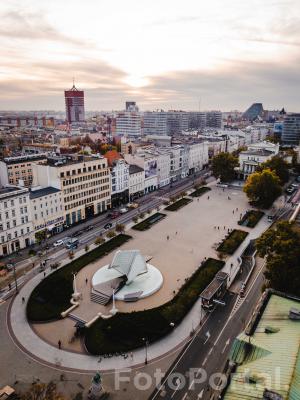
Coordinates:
[59,242]
[108,225]
[72,244]
[88,228]
[115,214]
[290,190]
[295,185]
[78,233]
[123,210]
[132,205]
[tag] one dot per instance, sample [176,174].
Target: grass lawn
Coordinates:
[232,241]
[53,294]
[200,191]
[147,223]
[251,218]
[125,331]
[178,204]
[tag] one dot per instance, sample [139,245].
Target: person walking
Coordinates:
[168,237]
[59,344]
[86,281]
[23,300]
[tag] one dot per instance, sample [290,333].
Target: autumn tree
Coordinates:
[281,247]
[262,188]
[279,166]
[223,166]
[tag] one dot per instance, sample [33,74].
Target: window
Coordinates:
[28,230]
[5,204]
[16,234]
[12,203]
[13,213]
[14,222]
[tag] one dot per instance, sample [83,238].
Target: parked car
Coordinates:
[290,190]
[59,242]
[132,205]
[78,233]
[88,228]
[72,244]
[123,210]
[115,214]
[108,225]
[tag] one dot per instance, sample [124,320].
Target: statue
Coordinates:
[96,389]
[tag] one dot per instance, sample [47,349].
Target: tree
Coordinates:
[223,166]
[99,240]
[111,234]
[41,391]
[262,188]
[120,228]
[281,247]
[279,166]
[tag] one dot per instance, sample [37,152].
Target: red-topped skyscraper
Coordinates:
[74,100]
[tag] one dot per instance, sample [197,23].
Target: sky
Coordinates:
[170,54]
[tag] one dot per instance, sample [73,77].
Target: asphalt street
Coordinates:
[199,367]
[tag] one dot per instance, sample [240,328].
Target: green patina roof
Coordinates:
[272,358]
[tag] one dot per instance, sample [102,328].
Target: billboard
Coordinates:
[150,168]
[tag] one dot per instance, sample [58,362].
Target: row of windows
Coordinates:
[12,202]
[13,223]
[86,201]
[46,205]
[82,170]
[84,178]
[86,193]
[10,236]
[85,185]
[47,212]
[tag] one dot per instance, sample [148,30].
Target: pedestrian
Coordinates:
[218,228]
[214,227]
[33,265]
[198,199]
[59,344]
[168,237]
[232,211]
[224,227]
[237,209]
[207,197]
[86,281]
[44,274]
[9,286]
[176,233]
[23,300]
[131,355]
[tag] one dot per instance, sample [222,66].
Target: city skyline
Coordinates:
[169,55]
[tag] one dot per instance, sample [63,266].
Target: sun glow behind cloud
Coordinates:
[118,49]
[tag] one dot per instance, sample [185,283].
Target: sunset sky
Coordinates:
[221,54]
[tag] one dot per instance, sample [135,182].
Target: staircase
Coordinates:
[100,298]
[77,319]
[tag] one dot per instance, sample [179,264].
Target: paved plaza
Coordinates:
[193,233]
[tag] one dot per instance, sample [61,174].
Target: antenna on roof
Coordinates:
[73,79]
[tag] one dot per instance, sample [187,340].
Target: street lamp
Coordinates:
[146,349]
[15,277]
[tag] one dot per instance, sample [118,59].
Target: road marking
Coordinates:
[207,336]
[184,396]
[198,372]
[177,387]
[200,395]
[192,384]
[226,344]
[204,362]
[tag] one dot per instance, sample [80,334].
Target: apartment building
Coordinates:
[197,156]
[148,162]
[155,123]
[47,210]
[16,228]
[18,170]
[119,172]
[128,123]
[83,180]
[136,181]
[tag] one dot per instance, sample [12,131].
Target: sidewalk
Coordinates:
[45,353]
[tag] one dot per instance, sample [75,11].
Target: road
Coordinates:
[53,255]
[204,359]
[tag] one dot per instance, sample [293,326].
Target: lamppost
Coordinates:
[146,349]
[15,277]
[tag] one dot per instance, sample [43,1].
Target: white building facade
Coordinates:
[128,123]
[16,228]
[155,123]
[136,182]
[119,182]
[47,211]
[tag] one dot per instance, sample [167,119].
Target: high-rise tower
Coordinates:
[74,100]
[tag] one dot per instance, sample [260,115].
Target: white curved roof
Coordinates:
[130,263]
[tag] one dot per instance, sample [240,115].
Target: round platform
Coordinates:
[143,286]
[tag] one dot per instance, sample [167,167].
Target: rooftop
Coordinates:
[134,169]
[272,350]
[258,152]
[24,158]
[43,192]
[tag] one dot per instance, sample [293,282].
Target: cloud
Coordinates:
[21,25]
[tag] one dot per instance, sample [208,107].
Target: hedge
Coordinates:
[53,294]
[251,218]
[232,241]
[178,204]
[147,223]
[125,331]
[200,191]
